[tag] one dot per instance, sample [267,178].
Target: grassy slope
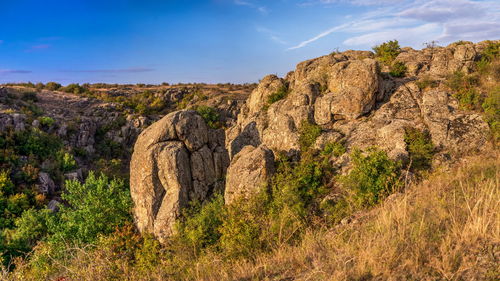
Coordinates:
[446,228]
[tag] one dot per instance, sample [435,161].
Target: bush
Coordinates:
[52,86]
[46,121]
[200,227]
[420,148]
[66,161]
[74,89]
[210,115]
[337,149]
[388,51]
[37,142]
[398,69]
[95,207]
[372,177]
[280,94]
[491,107]
[465,90]
[308,133]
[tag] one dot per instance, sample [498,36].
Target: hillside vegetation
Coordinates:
[393,176]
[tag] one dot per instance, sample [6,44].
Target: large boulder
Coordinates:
[249,173]
[175,161]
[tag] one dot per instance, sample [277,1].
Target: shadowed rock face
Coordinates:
[176,160]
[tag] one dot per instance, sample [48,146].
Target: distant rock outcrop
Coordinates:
[175,161]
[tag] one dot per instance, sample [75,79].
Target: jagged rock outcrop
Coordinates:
[176,160]
[249,172]
[354,101]
[350,95]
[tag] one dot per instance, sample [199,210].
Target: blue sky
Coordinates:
[154,41]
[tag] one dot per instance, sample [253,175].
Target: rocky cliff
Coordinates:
[348,98]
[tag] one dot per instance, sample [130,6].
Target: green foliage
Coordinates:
[491,107]
[388,51]
[29,96]
[197,94]
[243,227]
[6,185]
[398,69]
[490,53]
[74,89]
[66,161]
[280,94]
[52,86]
[426,82]
[372,177]
[200,227]
[465,90]
[337,149]
[95,207]
[420,148]
[46,121]
[308,133]
[210,115]
[37,142]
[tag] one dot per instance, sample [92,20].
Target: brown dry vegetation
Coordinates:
[445,228]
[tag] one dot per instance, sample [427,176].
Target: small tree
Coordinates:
[388,51]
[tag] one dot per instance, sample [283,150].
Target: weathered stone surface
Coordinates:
[345,93]
[249,172]
[174,162]
[47,185]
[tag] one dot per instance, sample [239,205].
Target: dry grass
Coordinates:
[446,228]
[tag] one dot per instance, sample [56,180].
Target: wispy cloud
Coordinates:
[118,70]
[416,22]
[259,8]
[272,35]
[38,47]
[319,36]
[1,41]
[14,71]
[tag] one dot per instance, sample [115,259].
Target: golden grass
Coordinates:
[446,228]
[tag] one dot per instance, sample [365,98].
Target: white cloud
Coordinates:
[416,22]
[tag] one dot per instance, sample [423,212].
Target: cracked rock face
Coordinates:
[249,172]
[354,103]
[176,160]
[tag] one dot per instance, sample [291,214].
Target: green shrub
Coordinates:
[280,94]
[337,149]
[6,185]
[372,177]
[398,69]
[420,148]
[95,207]
[491,107]
[242,228]
[37,142]
[465,90]
[46,121]
[210,115]
[308,133]
[200,227]
[66,161]
[388,51]
[74,89]
[52,86]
